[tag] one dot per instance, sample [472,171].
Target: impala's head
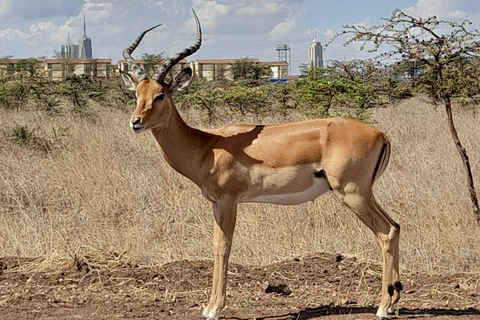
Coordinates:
[154,96]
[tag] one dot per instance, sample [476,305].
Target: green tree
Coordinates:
[304,67]
[249,69]
[151,61]
[29,67]
[446,49]
[351,87]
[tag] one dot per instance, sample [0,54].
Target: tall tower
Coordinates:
[284,57]
[85,44]
[315,54]
[69,50]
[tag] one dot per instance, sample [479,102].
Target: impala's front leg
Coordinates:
[225,214]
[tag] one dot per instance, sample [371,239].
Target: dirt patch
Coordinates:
[323,286]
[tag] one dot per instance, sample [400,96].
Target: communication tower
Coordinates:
[85,43]
[285,59]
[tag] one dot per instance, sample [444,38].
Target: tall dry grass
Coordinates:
[88,185]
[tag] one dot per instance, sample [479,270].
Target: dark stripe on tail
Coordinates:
[383,160]
[380,160]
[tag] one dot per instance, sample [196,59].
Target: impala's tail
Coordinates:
[383,159]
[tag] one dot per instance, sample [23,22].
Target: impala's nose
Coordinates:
[136,125]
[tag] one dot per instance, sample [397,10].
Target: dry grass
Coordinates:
[98,187]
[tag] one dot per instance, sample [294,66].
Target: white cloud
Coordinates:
[444,9]
[210,11]
[283,28]
[44,26]
[259,8]
[5,7]
[329,33]
[457,15]
[12,35]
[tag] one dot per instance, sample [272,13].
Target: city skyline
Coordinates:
[231,29]
[81,51]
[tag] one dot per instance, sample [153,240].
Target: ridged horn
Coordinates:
[127,55]
[168,65]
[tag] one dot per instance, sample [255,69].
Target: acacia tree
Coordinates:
[248,69]
[151,61]
[446,50]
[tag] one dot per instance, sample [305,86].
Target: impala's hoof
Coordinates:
[207,318]
[382,315]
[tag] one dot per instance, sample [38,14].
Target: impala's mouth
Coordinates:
[137,127]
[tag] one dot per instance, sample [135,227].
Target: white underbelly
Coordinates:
[319,187]
[286,186]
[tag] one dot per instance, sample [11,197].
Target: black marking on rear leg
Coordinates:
[322,175]
[397,285]
[390,289]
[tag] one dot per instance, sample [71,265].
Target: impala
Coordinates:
[283,164]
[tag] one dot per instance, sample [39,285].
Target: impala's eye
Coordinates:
[159,97]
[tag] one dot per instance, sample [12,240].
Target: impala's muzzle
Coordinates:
[136,125]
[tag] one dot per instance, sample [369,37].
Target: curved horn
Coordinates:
[127,55]
[163,70]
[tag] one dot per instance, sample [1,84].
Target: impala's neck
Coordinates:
[182,145]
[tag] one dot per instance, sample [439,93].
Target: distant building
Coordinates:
[58,69]
[315,54]
[123,65]
[81,51]
[9,67]
[214,69]
[279,69]
[85,44]
[69,50]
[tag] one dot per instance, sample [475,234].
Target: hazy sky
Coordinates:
[231,28]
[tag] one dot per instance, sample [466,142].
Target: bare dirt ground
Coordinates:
[322,286]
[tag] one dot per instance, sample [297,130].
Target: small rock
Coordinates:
[277,287]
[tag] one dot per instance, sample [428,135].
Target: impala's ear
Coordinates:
[181,80]
[129,80]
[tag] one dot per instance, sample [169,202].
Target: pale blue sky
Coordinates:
[232,28]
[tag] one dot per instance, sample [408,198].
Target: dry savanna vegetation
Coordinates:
[84,185]
[95,224]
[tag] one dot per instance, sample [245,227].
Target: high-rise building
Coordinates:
[85,44]
[315,54]
[69,50]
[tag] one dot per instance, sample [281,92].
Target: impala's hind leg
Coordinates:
[387,231]
[389,243]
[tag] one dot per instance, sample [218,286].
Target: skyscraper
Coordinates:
[315,54]
[85,44]
[69,50]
